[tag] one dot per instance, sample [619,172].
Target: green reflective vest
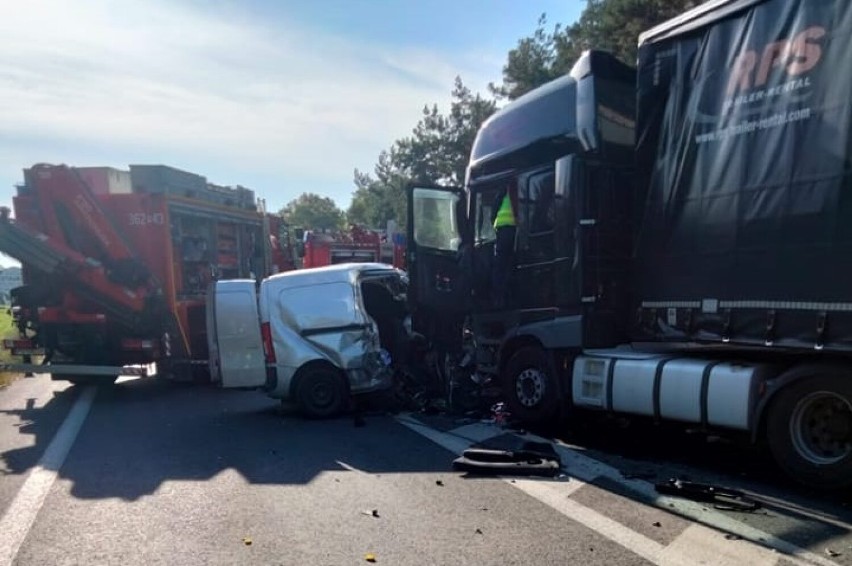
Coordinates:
[505,215]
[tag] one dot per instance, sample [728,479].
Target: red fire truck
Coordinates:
[359,245]
[116,265]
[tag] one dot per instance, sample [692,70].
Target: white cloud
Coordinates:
[167,79]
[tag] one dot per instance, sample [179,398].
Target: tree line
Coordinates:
[438,147]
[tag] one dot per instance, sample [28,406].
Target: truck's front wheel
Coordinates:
[809,430]
[529,385]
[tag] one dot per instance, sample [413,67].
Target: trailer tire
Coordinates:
[809,431]
[321,391]
[529,383]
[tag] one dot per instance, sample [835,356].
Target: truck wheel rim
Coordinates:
[530,387]
[821,428]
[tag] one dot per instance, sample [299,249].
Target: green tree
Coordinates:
[312,211]
[610,25]
[375,202]
[436,152]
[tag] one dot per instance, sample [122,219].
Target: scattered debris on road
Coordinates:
[479,531]
[525,458]
[372,513]
[723,499]
[657,524]
[832,553]
[370,557]
[439,483]
[247,541]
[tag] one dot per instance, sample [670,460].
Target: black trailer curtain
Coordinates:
[744,146]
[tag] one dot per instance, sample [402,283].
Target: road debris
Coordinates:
[439,483]
[832,553]
[247,541]
[527,459]
[732,536]
[371,513]
[499,414]
[370,557]
[479,531]
[657,524]
[722,498]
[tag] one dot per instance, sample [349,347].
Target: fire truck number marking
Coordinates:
[142,219]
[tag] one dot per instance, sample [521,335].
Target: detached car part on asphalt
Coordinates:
[313,336]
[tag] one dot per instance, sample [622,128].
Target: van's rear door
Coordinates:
[233,330]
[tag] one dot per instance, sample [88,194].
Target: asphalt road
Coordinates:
[149,472]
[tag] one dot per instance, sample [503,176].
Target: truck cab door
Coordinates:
[438,285]
[233,331]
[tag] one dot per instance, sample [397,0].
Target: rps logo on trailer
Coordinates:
[792,58]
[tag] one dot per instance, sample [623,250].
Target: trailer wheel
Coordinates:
[321,391]
[529,385]
[809,431]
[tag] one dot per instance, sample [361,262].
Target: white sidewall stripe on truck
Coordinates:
[21,514]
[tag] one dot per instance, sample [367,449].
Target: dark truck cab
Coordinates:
[567,148]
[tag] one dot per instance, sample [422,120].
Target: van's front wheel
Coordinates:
[321,392]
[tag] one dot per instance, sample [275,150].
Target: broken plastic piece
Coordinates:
[528,459]
[370,557]
[722,498]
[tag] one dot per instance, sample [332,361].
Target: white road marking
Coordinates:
[698,537]
[21,514]
[706,546]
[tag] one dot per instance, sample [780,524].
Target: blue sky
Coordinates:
[280,96]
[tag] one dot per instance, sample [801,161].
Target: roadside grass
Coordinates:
[7,330]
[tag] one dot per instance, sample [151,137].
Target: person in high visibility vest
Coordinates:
[505,227]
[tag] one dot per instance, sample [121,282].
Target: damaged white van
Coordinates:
[313,336]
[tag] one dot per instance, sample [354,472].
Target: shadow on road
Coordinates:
[39,422]
[142,433]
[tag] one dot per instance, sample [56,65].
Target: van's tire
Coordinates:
[529,384]
[321,391]
[809,431]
